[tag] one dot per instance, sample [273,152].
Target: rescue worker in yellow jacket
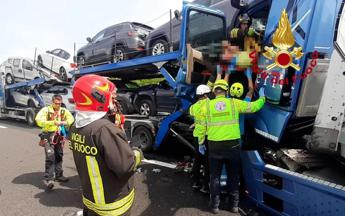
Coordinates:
[105,162]
[223,134]
[238,35]
[51,118]
[199,181]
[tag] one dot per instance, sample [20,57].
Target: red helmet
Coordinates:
[92,93]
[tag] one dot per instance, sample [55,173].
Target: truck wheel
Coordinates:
[146,108]
[30,117]
[159,47]
[9,79]
[144,137]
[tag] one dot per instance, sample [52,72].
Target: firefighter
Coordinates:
[238,35]
[202,92]
[51,119]
[223,134]
[105,162]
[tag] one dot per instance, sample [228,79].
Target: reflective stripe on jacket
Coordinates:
[222,117]
[46,118]
[105,164]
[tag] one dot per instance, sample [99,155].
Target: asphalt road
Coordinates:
[160,190]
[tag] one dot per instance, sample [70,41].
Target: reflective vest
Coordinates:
[198,115]
[47,116]
[222,118]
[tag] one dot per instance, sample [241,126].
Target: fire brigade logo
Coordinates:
[283,40]
[220,106]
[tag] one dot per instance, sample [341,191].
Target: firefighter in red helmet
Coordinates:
[104,160]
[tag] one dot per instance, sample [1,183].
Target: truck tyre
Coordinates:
[9,79]
[159,47]
[30,117]
[144,137]
[146,108]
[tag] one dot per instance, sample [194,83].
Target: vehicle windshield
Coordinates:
[198,35]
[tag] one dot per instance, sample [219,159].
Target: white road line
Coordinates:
[160,163]
[2,126]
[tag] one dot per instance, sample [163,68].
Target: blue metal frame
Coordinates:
[300,194]
[130,63]
[23,84]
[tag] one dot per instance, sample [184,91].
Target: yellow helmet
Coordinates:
[221,84]
[236,90]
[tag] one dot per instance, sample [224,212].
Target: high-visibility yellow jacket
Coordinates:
[222,117]
[46,118]
[198,115]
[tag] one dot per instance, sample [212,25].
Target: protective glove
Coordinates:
[139,156]
[248,73]
[248,99]
[262,92]
[202,149]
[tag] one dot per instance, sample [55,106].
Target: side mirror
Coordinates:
[89,39]
[48,51]
[177,14]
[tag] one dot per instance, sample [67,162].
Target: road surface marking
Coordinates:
[2,126]
[160,163]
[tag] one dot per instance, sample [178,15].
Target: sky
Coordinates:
[48,24]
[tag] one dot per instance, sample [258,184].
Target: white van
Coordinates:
[17,69]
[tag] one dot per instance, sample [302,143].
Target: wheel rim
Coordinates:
[63,74]
[144,139]
[9,79]
[119,56]
[158,49]
[81,60]
[145,109]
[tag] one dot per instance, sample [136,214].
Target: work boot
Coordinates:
[215,210]
[49,184]
[234,209]
[61,178]
[205,189]
[196,185]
